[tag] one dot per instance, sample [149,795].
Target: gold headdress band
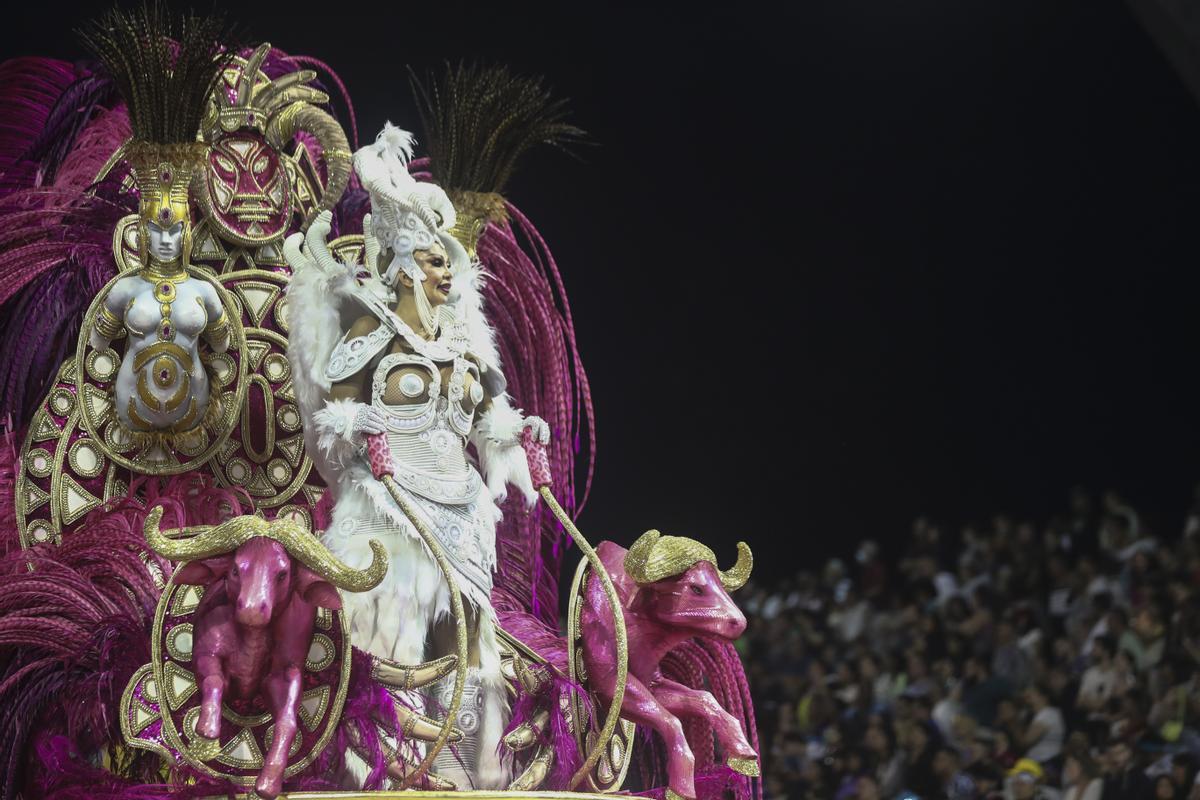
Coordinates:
[206,540]
[654,557]
[163,174]
[475,211]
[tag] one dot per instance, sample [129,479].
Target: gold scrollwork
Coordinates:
[276,368]
[238,471]
[40,531]
[288,417]
[279,472]
[192,442]
[223,369]
[321,653]
[125,242]
[86,458]
[297,513]
[324,619]
[117,437]
[62,401]
[137,716]
[256,455]
[281,314]
[102,365]
[179,642]
[39,462]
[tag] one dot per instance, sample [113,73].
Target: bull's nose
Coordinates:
[252,613]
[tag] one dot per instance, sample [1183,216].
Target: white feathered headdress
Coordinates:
[406,215]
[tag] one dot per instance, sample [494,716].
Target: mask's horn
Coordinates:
[301,116]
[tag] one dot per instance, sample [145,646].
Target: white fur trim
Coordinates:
[337,440]
[317,297]
[501,458]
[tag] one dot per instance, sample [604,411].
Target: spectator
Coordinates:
[1046,732]
[1145,640]
[1081,777]
[1123,780]
[1100,679]
[1025,782]
[947,768]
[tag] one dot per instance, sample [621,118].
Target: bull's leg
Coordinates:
[283,696]
[683,701]
[212,690]
[642,708]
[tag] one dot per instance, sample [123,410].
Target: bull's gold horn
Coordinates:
[736,576]
[203,541]
[188,544]
[307,548]
[638,557]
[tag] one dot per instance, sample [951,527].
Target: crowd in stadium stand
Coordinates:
[1011,660]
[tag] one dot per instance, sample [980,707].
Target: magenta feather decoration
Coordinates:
[91,149]
[73,113]
[712,783]
[29,90]
[74,625]
[539,637]
[55,256]
[368,704]
[527,305]
[10,537]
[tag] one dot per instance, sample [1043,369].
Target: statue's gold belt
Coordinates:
[162,349]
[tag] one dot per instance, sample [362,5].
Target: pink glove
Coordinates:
[535,454]
[379,455]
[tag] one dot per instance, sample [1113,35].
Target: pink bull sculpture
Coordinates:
[263,584]
[671,590]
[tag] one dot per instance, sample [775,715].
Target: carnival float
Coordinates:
[297,432]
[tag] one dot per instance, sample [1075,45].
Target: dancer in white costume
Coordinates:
[408,353]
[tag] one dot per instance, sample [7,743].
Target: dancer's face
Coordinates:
[436,265]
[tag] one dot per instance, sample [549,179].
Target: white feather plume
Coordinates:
[397,143]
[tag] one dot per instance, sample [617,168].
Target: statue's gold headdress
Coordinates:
[654,557]
[164,67]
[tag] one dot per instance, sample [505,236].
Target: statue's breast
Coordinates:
[143,314]
[186,310]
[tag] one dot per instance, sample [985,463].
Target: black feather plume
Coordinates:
[479,121]
[164,65]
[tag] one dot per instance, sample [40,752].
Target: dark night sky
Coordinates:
[838,262]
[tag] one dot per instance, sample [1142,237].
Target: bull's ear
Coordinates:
[316,590]
[203,571]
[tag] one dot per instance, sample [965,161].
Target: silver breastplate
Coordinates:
[428,436]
